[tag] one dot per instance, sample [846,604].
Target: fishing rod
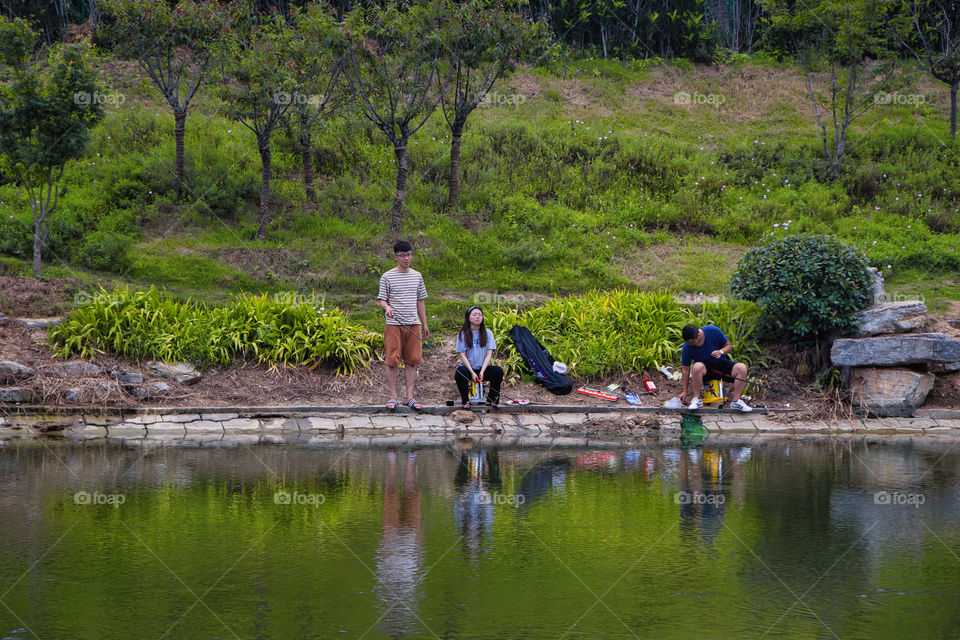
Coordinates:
[443,359]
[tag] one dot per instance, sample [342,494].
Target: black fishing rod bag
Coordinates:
[538,361]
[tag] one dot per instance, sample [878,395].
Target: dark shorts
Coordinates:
[719,370]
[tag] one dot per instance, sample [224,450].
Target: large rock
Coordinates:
[96,392]
[151,390]
[126,378]
[81,369]
[12,395]
[889,391]
[913,348]
[182,372]
[14,372]
[891,317]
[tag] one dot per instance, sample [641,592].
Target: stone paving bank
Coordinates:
[280,424]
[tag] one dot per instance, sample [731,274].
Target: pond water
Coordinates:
[814,538]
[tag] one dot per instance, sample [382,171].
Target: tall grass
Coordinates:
[277,330]
[603,333]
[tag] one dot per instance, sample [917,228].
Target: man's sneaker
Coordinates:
[695,404]
[740,405]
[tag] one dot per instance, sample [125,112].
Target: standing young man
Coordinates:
[401,296]
[707,348]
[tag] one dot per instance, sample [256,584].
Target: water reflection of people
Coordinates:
[400,554]
[704,490]
[477,475]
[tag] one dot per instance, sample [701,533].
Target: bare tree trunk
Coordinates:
[396,212]
[179,128]
[953,109]
[456,134]
[306,149]
[263,145]
[37,245]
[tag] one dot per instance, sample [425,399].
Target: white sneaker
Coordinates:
[695,404]
[741,406]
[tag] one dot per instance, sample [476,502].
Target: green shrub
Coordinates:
[103,251]
[806,286]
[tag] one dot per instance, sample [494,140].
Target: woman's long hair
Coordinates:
[466,333]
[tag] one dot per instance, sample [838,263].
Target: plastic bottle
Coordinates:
[648,384]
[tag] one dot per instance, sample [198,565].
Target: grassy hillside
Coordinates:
[595,175]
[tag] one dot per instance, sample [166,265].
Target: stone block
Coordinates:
[569,418]
[424,423]
[241,425]
[889,391]
[315,423]
[220,417]
[11,372]
[125,430]
[355,422]
[181,417]
[914,348]
[101,420]
[89,431]
[166,428]
[204,426]
[891,317]
[388,422]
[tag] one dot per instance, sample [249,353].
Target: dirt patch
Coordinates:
[269,264]
[29,297]
[526,84]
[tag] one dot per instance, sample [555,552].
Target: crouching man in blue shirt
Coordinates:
[706,349]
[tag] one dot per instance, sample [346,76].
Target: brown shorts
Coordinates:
[400,345]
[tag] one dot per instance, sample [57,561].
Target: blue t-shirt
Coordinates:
[476,353]
[713,339]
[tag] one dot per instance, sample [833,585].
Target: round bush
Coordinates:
[102,251]
[805,285]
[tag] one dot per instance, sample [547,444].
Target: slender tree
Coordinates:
[938,24]
[398,68]
[174,46]
[47,108]
[258,86]
[851,40]
[318,71]
[487,40]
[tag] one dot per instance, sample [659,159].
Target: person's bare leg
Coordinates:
[390,373]
[697,371]
[740,373]
[410,378]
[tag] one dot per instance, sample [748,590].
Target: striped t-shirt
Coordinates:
[401,291]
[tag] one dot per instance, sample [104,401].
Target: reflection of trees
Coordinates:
[399,558]
[478,473]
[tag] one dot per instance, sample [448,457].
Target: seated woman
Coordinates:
[475,345]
